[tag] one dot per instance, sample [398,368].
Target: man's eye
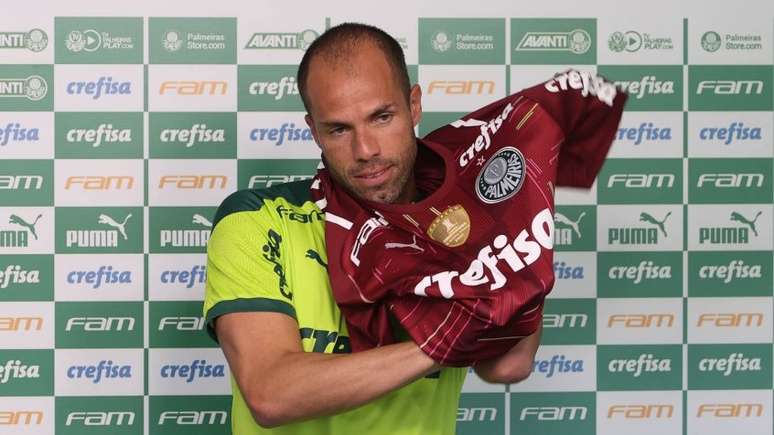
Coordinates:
[336,131]
[384,117]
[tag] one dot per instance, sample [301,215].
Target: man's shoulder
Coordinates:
[294,193]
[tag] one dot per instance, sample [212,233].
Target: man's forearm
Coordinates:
[304,385]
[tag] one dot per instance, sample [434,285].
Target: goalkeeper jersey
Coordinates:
[466,269]
[267,253]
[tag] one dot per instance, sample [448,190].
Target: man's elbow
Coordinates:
[266,412]
[505,373]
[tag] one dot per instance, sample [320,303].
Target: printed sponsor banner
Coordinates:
[561,368]
[479,412]
[26,135]
[639,413]
[26,278]
[103,88]
[92,277]
[553,41]
[461,41]
[98,40]
[575,275]
[729,320]
[26,182]
[569,321]
[182,372]
[729,366]
[730,273]
[26,88]
[729,411]
[179,88]
[716,134]
[640,321]
[27,325]
[99,415]
[192,40]
[732,87]
[99,372]
[27,415]
[202,415]
[554,412]
[96,135]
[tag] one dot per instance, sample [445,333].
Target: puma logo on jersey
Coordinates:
[413,245]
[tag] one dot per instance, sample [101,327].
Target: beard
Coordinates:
[388,192]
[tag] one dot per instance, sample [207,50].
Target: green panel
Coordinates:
[26,182]
[576,228]
[178,324]
[26,277]
[25,88]
[180,229]
[553,41]
[730,181]
[271,88]
[641,181]
[730,87]
[730,273]
[729,366]
[98,135]
[553,413]
[462,41]
[99,324]
[639,274]
[99,415]
[639,367]
[192,40]
[569,321]
[95,40]
[193,135]
[26,372]
[189,415]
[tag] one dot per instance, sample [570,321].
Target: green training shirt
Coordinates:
[267,253]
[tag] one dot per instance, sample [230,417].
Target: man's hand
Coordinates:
[513,366]
[281,383]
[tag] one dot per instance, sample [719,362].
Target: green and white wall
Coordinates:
[122,126]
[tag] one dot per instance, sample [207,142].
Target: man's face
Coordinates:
[361,120]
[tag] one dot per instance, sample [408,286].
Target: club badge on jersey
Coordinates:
[465,271]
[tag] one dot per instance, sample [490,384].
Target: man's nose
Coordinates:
[365,146]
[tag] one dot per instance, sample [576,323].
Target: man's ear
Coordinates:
[415,104]
[310,123]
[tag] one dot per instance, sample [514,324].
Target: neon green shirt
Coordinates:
[267,253]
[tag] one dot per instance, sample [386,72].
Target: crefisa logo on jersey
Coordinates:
[502,176]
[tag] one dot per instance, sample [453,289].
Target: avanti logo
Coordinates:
[19,418]
[557,364]
[197,369]
[105,369]
[729,320]
[645,131]
[15,132]
[99,238]
[734,362]
[97,89]
[198,418]
[735,269]
[577,41]
[278,89]
[279,40]
[195,135]
[554,413]
[188,237]
[645,363]
[736,235]
[35,40]
[193,87]
[564,271]
[104,133]
[287,131]
[100,418]
[567,228]
[729,410]
[646,270]
[461,87]
[641,320]
[16,274]
[19,238]
[639,235]
[734,131]
[640,411]
[646,86]
[103,275]
[15,369]
[197,275]
[33,88]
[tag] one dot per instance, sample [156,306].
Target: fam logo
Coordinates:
[476,414]
[100,324]
[198,368]
[21,418]
[13,238]
[97,89]
[729,320]
[35,40]
[739,234]
[100,418]
[577,41]
[729,410]
[641,181]
[103,134]
[727,135]
[100,238]
[286,132]
[193,418]
[638,320]
[640,411]
[193,87]
[554,413]
[557,364]
[90,40]
[730,180]
[645,131]
[278,40]
[15,132]
[21,182]
[102,275]
[14,369]
[730,87]
[632,41]
[712,41]
[17,274]
[195,182]
[182,323]
[565,320]
[99,182]
[260,180]
[277,89]
[461,87]
[638,235]
[24,324]
[33,88]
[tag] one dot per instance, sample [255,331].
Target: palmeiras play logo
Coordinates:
[501,177]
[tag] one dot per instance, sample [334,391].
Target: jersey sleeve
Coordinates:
[588,110]
[245,262]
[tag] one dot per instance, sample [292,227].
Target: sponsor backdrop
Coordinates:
[122,127]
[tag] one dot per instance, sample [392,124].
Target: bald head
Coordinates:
[338,45]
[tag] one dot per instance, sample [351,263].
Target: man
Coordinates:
[268,300]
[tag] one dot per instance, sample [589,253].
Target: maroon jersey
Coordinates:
[465,271]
